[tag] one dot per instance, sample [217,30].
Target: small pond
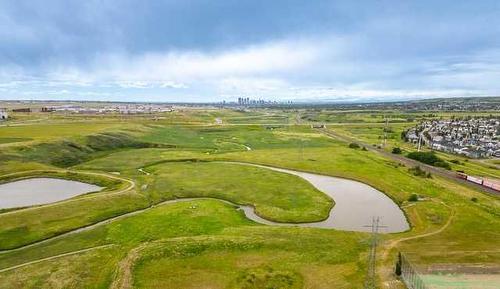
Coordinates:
[39,191]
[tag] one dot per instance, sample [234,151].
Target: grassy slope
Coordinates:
[233,138]
[175,225]
[276,196]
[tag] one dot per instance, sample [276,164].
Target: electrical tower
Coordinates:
[370,282]
[386,128]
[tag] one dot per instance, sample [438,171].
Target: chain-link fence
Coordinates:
[408,273]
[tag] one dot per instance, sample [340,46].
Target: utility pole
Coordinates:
[386,127]
[301,150]
[370,282]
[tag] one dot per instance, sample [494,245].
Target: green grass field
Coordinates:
[208,243]
[462,281]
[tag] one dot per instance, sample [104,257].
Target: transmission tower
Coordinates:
[370,282]
[386,128]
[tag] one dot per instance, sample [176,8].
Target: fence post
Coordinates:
[409,275]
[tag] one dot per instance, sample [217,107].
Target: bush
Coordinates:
[354,145]
[417,171]
[429,158]
[474,199]
[413,198]
[442,164]
[397,151]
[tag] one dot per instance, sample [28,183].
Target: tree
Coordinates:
[413,198]
[429,158]
[397,150]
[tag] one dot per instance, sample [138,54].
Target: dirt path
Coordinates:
[81,229]
[107,221]
[131,185]
[54,257]
[123,278]
[384,272]
[394,243]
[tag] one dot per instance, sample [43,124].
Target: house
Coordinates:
[22,109]
[47,109]
[3,114]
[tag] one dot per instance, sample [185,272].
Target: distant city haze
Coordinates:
[210,51]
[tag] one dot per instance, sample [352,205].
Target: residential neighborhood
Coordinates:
[471,137]
[77,108]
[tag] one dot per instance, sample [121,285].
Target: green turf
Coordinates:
[203,243]
[275,196]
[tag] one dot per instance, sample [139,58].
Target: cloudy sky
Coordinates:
[209,50]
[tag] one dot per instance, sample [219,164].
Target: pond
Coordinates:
[356,204]
[39,191]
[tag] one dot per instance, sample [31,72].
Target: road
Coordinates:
[409,162]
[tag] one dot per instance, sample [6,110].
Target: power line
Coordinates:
[370,282]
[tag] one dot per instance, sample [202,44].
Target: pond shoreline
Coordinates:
[36,191]
[337,188]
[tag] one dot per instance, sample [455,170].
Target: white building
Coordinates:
[3,114]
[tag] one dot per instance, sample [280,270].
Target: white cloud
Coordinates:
[173,84]
[175,69]
[313,69]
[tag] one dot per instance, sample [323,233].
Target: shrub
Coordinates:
[442,164]
[397,151]
[413,198]
[354,145]
[429,158]
[417,171]
[474,199]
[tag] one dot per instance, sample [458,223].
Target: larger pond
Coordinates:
[356,204]
[39,191]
